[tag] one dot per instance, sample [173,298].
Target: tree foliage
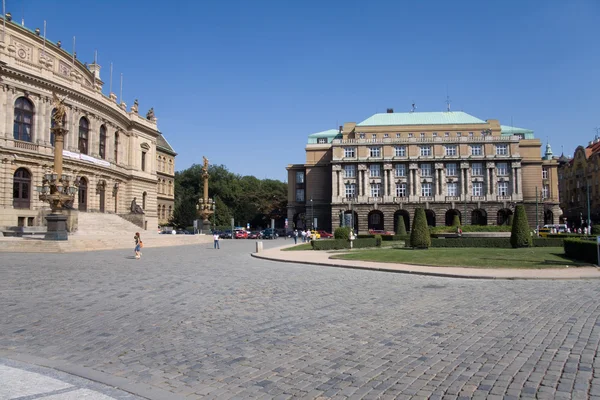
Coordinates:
[400,226]
[520,236]
[245,198]
[419,236]
[456,220]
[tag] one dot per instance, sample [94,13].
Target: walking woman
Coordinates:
[138,245]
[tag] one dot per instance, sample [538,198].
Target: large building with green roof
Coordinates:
[450,163]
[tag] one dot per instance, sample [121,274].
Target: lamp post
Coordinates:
[206,205]
[537,224]
[312,214]
[58,189]
[589,221]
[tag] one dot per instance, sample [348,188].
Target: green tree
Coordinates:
[456,220]
[343,232]
[400,226]
[419,236]
[511,217]
[520,235]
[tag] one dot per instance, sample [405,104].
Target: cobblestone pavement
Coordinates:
[205,323]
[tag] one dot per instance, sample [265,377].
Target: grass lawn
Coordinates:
[533,257]
[303,246]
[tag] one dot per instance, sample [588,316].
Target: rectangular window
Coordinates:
[470,134]
[143,160]
[374,136]
[422,134]
[401,190]
[502,149]
[299,177]
[349,171]
[502,169]
[375,152]
[476,150]
[544,173]
[545,192]
[398,135]
[400,151]
[451,150]
[477,169]
[321,140]
[477,188]
[400,170]
[361,135]
[425,169]
[446,134]
[385,135]
[375,170]
[116,147]
[452,189]
[451,169]
[410,135]
[349,152]
[458,134]
[426,189]
[350,190]
[425,151]
[434,134]
[300,195]
[376,190]
[502,188]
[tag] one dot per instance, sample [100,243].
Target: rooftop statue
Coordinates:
[150,114]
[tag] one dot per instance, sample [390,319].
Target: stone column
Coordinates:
[490,177]
[439,171]
[464,166]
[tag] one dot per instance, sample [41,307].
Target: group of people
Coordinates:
[303,233]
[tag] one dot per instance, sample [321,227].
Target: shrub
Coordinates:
[472,242]
[596,230]
[343,232]
[520,235]
[456,220]
[548,242]
[582,250]
[469,228]
[362,243]
[378,240]
[335,244]
[511,217]
[419,236]
[400,227]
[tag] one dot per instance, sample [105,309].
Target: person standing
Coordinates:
[216,240]
[295,236]
[138,245]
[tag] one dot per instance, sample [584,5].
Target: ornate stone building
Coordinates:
[118,154]
[449,163]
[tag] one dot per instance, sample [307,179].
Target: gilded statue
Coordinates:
[60,109]
[205,167]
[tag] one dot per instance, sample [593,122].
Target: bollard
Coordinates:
[259,247]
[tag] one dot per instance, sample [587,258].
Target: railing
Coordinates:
[503,197]
[478,198]
[19,144]
[462,139]
[453,198]
[426,198]
[402,199]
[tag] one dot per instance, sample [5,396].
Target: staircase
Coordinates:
[100,224]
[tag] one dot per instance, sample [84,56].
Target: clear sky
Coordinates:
[245,82]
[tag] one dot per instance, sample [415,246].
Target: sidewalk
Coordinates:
[322,258]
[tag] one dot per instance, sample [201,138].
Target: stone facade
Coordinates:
[379,172]
[114,151]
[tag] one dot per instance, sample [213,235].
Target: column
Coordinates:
[384,189]
[340,181]
[334,185]
[513,181]
[358,182]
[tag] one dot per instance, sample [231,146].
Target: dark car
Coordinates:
[226,235]
[254,235]
[270,234]
[182,232]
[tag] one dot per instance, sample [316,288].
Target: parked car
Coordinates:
[254,235]
[226,235]
[241,235]
[324,234]
[269,234]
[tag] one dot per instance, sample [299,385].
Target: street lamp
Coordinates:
[312,214]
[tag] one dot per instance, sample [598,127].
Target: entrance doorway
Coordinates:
[82,194]
[102,192]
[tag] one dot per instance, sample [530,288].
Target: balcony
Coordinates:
[402,199]
[19,144]
[478,198]
[453,198]
[423,199]
[503,198]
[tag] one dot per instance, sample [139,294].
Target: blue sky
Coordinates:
[244,83]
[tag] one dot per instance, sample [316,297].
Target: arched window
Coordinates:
[84,130]
[164,211]
[21,188]
[170,166]
[170,212]
[102,144]
[23,128]
[170,188]
[116,146]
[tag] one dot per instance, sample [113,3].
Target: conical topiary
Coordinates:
[419,236]
[456,220]
[511,217]
[400,227]
[520,236]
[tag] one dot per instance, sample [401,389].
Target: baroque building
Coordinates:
[116,153]
[449,163]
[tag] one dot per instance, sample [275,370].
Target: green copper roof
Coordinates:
[421,118]
[513,130]
[329,135]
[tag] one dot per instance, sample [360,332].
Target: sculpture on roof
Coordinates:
[150,114]
[134,107]
[205,167]
[60,110]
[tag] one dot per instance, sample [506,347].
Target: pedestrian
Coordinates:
[303,233]
[138,245]
[295,236]
[216,240]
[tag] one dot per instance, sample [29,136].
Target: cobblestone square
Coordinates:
[220,324]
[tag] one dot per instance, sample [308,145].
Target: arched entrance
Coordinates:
[503,217]
[102,193]
[375,221]
[450,216]
[548,217]
[430,215]
[299,221]
[479,217]
[405,215]
[351,219]
[21,188]
[82,194]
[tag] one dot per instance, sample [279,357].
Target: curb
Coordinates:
[137,389]
[423,273]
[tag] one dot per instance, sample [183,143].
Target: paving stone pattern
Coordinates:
[219,324]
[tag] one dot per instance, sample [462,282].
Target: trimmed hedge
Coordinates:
[548,242]
[582,250]
[419,235]
[470,228]
[520,235]
[400,227]
[340,244]
[385,238]
[503,243]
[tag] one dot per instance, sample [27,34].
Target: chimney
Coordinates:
[390,110]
